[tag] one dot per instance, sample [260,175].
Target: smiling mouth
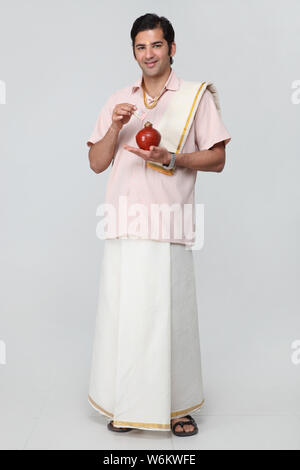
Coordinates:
[150,64]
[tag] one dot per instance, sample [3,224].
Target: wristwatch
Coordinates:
[172,162]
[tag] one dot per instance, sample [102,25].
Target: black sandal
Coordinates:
[111,427]
[182,423]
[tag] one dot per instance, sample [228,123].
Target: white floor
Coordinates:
[71,425]
[58,416]
[252,395]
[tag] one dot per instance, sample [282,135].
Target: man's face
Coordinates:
[151,52]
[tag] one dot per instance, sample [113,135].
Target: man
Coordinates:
[146,365]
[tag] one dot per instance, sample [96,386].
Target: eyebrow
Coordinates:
[152,43]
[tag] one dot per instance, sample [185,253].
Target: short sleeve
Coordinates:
[209,128]
[102,124]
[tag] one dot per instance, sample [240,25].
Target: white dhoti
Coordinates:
[146,364]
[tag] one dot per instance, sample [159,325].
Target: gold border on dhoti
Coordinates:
[144,425]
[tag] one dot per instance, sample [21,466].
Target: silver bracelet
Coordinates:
[172,162]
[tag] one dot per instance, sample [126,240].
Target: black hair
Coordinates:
[152,21]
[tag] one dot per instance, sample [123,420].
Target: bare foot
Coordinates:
[186,427]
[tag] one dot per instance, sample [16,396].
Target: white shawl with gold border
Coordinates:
[176,122]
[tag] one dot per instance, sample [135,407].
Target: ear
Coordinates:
[173,49]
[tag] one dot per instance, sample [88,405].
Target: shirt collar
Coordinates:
[172,82]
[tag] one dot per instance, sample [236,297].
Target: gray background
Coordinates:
[60,61]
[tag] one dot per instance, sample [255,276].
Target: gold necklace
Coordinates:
[150,106]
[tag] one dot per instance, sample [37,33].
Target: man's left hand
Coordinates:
[155,154]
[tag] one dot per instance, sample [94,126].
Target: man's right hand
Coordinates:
[122,114]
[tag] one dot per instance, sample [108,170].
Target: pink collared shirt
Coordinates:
[130,182]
